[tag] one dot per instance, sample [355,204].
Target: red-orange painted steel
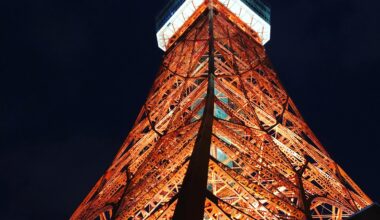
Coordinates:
[262,162]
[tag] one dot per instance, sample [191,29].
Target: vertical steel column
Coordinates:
[191,199]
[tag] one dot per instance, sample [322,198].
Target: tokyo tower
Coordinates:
[218,136]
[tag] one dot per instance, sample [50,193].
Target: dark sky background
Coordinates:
[74,74]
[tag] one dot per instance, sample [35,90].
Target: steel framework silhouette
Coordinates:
[219,138]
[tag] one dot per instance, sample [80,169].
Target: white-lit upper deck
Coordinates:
[253,13]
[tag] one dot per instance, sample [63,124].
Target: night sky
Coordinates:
[75,73]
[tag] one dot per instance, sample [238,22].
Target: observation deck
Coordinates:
[254,13]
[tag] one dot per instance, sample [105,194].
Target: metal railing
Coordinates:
[259,6]
[167,12]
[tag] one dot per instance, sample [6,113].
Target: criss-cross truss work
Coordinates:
[219,138]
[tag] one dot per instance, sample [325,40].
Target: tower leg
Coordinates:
[192,196]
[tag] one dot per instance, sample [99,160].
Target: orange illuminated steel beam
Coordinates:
[218,136]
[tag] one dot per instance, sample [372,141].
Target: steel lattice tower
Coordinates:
[218,136]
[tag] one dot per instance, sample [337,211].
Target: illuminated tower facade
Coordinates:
[218,136]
